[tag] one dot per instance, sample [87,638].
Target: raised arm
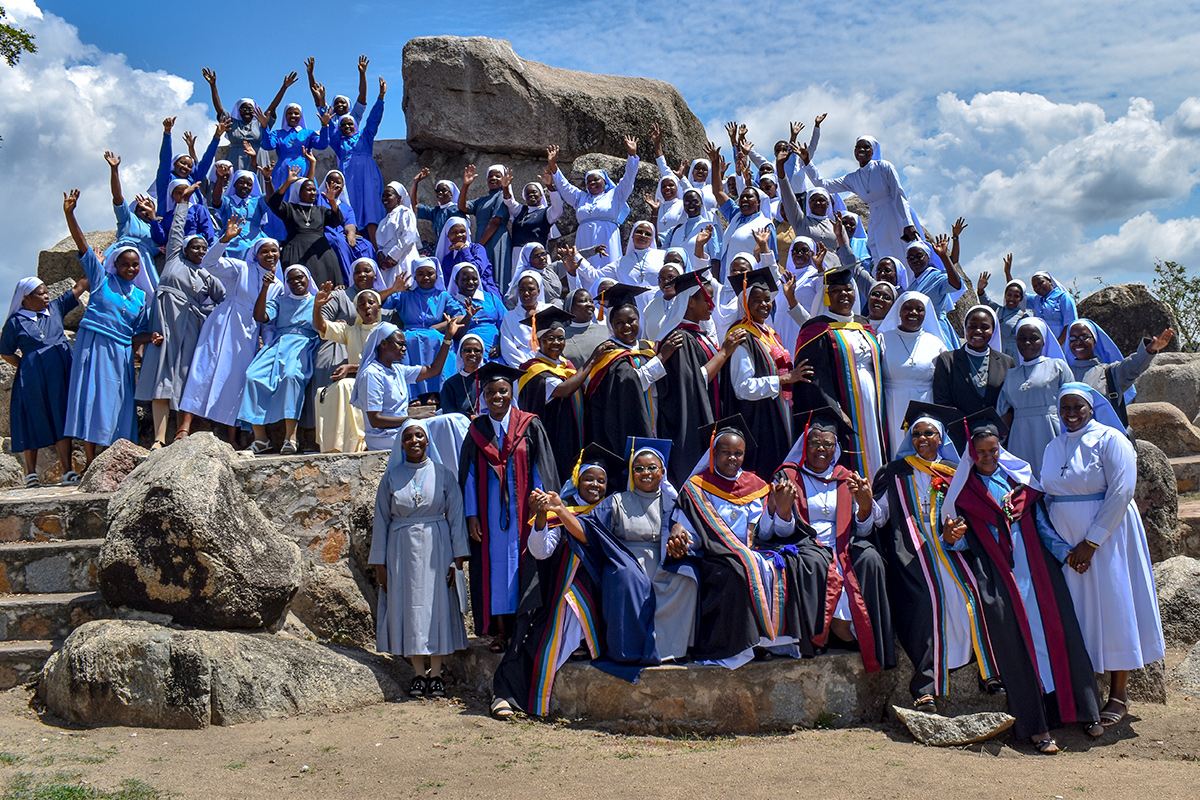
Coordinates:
[211,78]
[468,178]
[114,177]
[310,66]
[319,302]
[956,230]
[625,186]
[178,220]
[70,200]
[288,80]
[571,194]
[434,369]
[416,181]
[941,246]
[363,62]
[717,174]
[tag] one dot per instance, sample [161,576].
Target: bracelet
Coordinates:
[447,341]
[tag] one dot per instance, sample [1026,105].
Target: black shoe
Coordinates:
[437,688]
[417,687]
[993,686]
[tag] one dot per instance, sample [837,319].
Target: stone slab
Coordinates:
[49,566]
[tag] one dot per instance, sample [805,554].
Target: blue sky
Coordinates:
[1067,133]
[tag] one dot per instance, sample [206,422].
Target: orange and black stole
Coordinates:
[1015,518]
[491,459]
[835,582]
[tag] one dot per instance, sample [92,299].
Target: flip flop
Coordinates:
[1111,718]
[182,433]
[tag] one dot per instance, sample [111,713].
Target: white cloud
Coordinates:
[60,109]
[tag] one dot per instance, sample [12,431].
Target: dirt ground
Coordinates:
[451,748]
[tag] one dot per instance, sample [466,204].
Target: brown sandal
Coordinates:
[182,433]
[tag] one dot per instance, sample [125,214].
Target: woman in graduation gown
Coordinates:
[969,378]
[505,456]
[911,342]
[936,608]
[417,540]
[550,387]
[845,357]
[620,392]
[1089,473]
[1028,400]
[1008,544]
[750,597]
[760,374]
[835,506]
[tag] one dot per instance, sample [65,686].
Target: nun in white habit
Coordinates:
[911,342]
[601,206]
[516,344]
[396,237]
[638,266]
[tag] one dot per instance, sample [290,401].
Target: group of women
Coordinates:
[751,430]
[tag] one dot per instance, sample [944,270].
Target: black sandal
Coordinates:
[417,687]
[437,688]
[993,686]
[1047,747]
[925,704]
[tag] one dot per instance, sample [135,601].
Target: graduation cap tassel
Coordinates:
[533,340]
[601,316]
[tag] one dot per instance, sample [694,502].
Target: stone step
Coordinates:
[20,662]
[50,514]
[32,568]
[48,616]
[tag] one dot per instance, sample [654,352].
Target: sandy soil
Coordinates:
[451,748]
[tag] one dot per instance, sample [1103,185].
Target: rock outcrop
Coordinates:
[938,731]
[127,672]
[1165,425]
[332,606]
[1157,498]
[1128,312]
[1172,378]
[109,469]
[184,540]
[1178,583]
[1187,674]
[61,262]
[476,94]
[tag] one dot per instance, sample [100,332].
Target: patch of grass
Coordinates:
[628,754]
[97,756]
[236,765]
[67,786]
[330,748]
[825,721]
[10,759]
[429,785]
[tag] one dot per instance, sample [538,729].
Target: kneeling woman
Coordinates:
[1030,618]
[278,376]
[419,537]
[748,597]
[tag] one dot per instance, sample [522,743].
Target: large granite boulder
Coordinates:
[332,606]
[1172,378]
[1128,312]
[1187,674]
[137,673]
[1178,583]
[12,472]
[8,374]
[1165,425]
[1157,499]
[61,262]
[475,93]
[109,469]
[184,540]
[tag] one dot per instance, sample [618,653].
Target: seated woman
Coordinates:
[305,223]
[1096,360]
[345,239]
[423,311]
[515,345]
[339,425]
[970,377]
[278,376]
[936,607]
[1089,473]
[836,508]
[381,387]
[38,405]
[485,310]
[455,247]
[460,392]
[417,541]
[1028,399]
[911,341]
[750,597]
[1008,543]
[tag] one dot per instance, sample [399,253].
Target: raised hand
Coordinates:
[547,177]
[731,128]
[319,94]
[820,118]
[290,79]
[469,174]
[209,76]
[762,241]
[293,174]
[941,246]
[958,227]
[248,149]
[422,175]
[818,256]
[507,178]
[310,64]
[325,116]
[453,325]
[794,130]
[801,150]
[982,283]
[650,201]
[402,282]
[631,144]
[656,134]
[224,125]
[363,63]
[681,172]
[601,250]
[552,158]
[324,294]
[113,160]
[262,118]
[188,191]
[789,288]
[70,200]
[168,124]
[1008,267]
[1160,341]
[382,87]
[189,139]
[233,228]
[704,236]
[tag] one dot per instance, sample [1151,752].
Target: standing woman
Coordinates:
[460,392]
[881,296]
[305,223]
[185,296]
[1011,551]
[1089,473]
[100,398]
[491,219]
[354,150]
[290,141]
[942,288]
[1012,311]
[38,405]
[532,220]
[911,342]
[1053,304]
[229,337]
[245,128]
[396,238]
[277,378]
[417,541]
[446,193]
[535,257]
[1028,400]
[423,311]
[970,377]
[515,345]
[243,199]
[745,219]
[1096,360]
[687,232]
[601,206]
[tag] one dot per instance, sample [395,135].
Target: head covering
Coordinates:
[312,288]
[453,193]
[252,253]
[918,244]
[440,282]
[212,171]
[343,197]
[541,203]
[1106,351]
[255,190]
[592,457]
[734,425]
[1024,292]
[141,280]
[461,343]
[293,194]
[827,418]
[495,168]
[525,257]
[357,261]
[994,343]
[876,152]
[366,292]
[761,278]
[545,320]
[1056,298]
[792,254]
[25,286]
[283,123]
[686,285]
[892,321]
[169,201]
[946,419]
[692,169]
[837,276]
[399,189]
[828,209]
[358,395]
[453,287]
[859,233]
[895,293]
[340,97]
[412,422]
[636,445]
[1050,346]
[443,243]
[903,275]
[670,212]
[985,421]
[1102,410]
[238,105]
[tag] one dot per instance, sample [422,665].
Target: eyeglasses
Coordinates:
[925,434]
[642,469]
[822,445]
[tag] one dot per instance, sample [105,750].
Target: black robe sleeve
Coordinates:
[685,407]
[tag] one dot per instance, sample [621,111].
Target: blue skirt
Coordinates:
[423,347]
[100,399]
[38,408]
[277,380]
[346,254]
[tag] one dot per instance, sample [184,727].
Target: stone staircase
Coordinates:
[49,539]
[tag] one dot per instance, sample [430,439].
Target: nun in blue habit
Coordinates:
[290,140]
[354,150]
[243,199]
[423,309]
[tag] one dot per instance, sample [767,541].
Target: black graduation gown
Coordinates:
[615,407]
[686,404]
[766,419]
[728,619]
[952,384]
[562,417]
[1075,698]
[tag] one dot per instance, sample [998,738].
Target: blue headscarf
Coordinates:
[1106,351]
[1102,410]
